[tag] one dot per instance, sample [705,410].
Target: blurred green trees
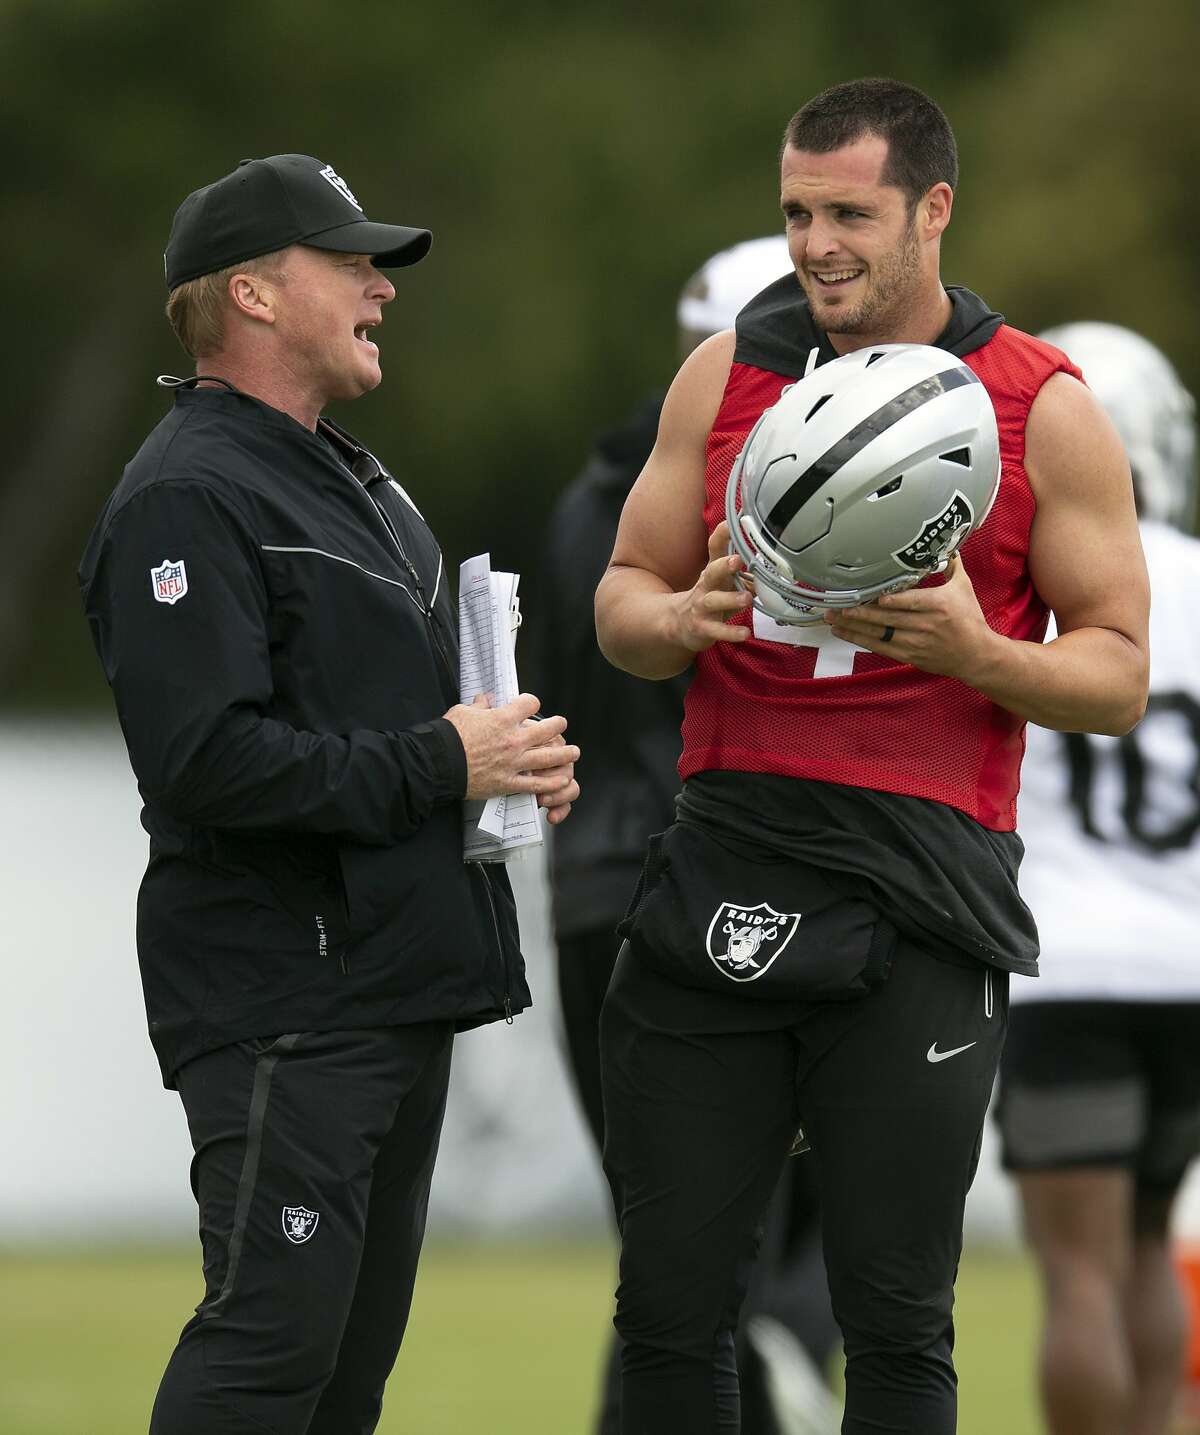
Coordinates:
[576,163]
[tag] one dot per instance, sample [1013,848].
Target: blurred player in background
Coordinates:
[631,737]
[1100,1078]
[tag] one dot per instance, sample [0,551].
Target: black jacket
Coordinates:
[279,682]
[626,728]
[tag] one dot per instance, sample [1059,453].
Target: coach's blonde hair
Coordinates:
[196,309]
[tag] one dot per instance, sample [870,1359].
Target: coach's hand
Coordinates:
[558,801]
[938,629]
[702,612]
[508,751]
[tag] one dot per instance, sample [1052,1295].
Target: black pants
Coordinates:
[788,1280]
[314,1156]
[703,1093]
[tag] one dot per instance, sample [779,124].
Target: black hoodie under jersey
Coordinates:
[775,331]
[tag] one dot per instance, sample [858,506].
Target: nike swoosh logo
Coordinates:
[933,1054]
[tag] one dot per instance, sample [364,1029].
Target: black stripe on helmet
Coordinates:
[824,468]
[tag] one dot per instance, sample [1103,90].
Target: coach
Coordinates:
[274,618]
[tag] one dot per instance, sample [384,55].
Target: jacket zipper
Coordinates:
[410,568]
[427,608]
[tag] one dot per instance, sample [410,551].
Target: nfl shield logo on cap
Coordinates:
[168,582]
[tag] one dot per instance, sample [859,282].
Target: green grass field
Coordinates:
[503,1340]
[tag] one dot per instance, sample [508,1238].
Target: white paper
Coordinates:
[489,615]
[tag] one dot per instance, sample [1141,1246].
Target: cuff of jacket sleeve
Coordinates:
[441,741]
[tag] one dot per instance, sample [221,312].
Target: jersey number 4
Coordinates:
[835,656]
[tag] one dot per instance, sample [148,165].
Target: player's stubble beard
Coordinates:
[892,293]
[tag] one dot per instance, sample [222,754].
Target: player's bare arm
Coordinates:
[1086,560]
[669,587]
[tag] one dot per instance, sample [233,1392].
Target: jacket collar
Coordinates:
[361,462]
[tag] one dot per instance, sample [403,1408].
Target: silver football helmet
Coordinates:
[1153,412]
[864,478]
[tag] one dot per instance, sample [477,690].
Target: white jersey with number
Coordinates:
[1112,825]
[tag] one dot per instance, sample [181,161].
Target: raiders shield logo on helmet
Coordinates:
[299,1223]
[742,942]
[939,536]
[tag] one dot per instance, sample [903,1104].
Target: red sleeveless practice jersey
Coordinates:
[768,706]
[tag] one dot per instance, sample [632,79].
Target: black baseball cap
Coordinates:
[267,204]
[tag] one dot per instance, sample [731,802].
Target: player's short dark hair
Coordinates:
[921,148]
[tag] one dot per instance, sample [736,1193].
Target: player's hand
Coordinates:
[508,751]
[938,629]
[701,614]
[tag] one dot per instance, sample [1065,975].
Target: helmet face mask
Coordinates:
[866,477]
